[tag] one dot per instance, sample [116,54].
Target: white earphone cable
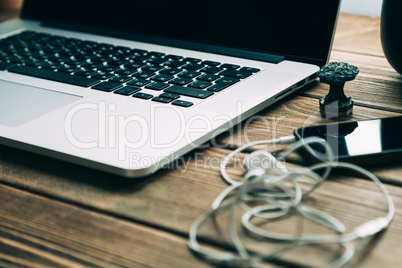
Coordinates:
[279,193]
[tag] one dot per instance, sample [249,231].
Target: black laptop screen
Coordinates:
[298,29]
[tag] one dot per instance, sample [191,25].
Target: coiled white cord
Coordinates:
[281,192]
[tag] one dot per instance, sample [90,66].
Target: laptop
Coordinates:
[128,86]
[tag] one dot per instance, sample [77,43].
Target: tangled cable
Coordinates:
[279,192]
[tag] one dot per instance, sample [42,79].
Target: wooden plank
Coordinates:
[358,34]
[7,14]
[38,232]
[377,85]
[172,200]
[357,41]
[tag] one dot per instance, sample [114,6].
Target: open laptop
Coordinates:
[129,86]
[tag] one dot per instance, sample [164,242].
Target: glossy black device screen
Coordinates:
[375,140]
[291,27]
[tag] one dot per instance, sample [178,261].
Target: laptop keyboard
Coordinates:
[118,69]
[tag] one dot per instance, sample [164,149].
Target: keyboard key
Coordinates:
[173,57]
[107,86]
[39,56]
[6,65]
[156,54]
[144,74]
[162,77]
[138,82]
[210,63]
[229,80]
[156,61]
[51,66]
[142,95]
[127,90]
[152,68]
[230,66]
[85,72]
[123,49]
[107,68]
[250,69]
[55,76]
[187,91]
[181,81]
[192,66]
[189,74]
[18,59]
[157,86]
[182,103]
[171,71]
[73,62]
[235,73]
[211,69]
[169,95]
[208,77]
[134,65]
[193,60]
[102,75]
[174,63]
[120,78]
[38,63]
[161,99]
[139,51]
[89,65]
[106,47]
[115,61]
[200,84]
[218,87]
[125,71]
[137,58]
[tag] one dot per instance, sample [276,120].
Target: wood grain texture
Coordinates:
[357,41]
[7,14]
[172,200]
[377,85]
[358,34]
[39,232]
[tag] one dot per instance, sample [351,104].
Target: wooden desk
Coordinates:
[57,214]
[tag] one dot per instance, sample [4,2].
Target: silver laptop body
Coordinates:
[134,137]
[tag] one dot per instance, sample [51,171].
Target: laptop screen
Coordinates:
[299,30]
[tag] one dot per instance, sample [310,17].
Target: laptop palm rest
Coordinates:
[20,103]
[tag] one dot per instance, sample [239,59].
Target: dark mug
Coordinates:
[391,32]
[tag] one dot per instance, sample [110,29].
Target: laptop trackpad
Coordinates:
[20,103]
